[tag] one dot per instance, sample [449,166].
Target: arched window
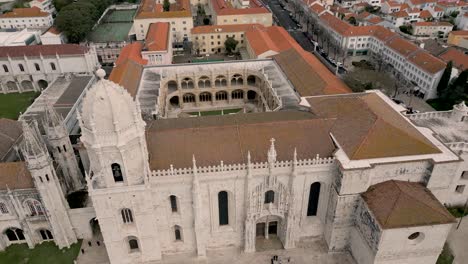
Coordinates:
[14,234]
[313,199]
[237,94]
[46,234]
[204,82]
[34,207]
[269,197]
[178,233]
[127,216]
[205,97]
[21,67]
[221,96]
[220,81]
[223,208]
[37,67]
[133,244]
[52,66]
[117,172]
[237,80]
[59,149]
[64,148]
[3,208]
[188,98]
[5,68]
[47,177]
[173,200]
[186,83]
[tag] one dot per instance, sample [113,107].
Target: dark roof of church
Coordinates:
[15,175]
[10,132]
[397,204]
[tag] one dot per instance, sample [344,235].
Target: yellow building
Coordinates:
[455,37]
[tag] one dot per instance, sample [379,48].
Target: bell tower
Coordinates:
[45,179]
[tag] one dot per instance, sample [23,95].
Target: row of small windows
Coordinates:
[21,67]
[16,234]
[33,208]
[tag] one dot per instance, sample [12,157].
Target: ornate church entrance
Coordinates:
[267,235]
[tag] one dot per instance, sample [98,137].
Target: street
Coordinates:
[282,17]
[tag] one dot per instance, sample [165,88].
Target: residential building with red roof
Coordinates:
[158,44]
[239,12]
[151,11]
[455,37]
[432,29]
[53,36]
[389,7]
[457,57]
[20,18]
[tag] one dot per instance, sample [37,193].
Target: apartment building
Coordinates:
[456,37]
[20,18]
[44,5]
[414,63]
[210,39]
[226,13]
[158,44]
[179,16]
[432,29]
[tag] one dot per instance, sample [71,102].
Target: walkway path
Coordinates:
[92,253]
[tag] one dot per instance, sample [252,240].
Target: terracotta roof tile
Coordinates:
[273,38]
[432,24]
[317,8]
[425,14]
[157,37]
[459,33]
[150,9]
[459,59]
[367,127]
[398,204]
[131,52]
[221,8]
[25,12]
[127,75]
[399,14]
[427,62]
[44,50]
[170,142]
[15,175]
[375,20]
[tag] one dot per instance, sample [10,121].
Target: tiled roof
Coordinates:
[170,142]
[25,12]
[427,62]
[150,9]
[402,46]
[459,33]
[364,15]
[367,127]
[400,14]
[131,52]
[157,37]
[425,14]
[458,58]
[44,50]
[335,23]
[54,30]
[308,75]
[399,204]
[375,20]
[317,8]
[272,38]
[10,132]
[221,8]
[432,24]
[225,28]
[15,175]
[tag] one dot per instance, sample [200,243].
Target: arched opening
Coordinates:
[34,207]
[11,86]
[251,80]
[174,101]
[5,68]
[237,94]
[268,230]
[178,233]
[95,228]
[269,197]
[237,80]
[14,234]
[188,98]
[173,200]
[37,67]
[27,85]
[223,208]
[314,195]
[204,82]
[187,83]
[221,96]
[46,234]
[220,81]
[3,208]
[42,84]
[21,67]
[52,66]
[127,216]
[416,237]
[171,86]
[205,97]
[251,95]
[117,172]
[133,244]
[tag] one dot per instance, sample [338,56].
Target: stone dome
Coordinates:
[107,107]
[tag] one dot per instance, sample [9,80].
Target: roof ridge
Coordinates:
[422,202]
[395,201]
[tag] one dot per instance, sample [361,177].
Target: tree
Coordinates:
[457,90]
[77,20]
[352,20]
[59,4]
[230,44]
[166,5]
[206,21]
[445,79]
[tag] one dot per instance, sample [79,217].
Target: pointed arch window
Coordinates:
[14,234]
[178,233]
[3,208]
[52,66]
[133,244]
[37,67]
[269,197]
[314,195]
[21,67]
[127,216]
[34,207]
[117,172]
[223,207]
[5,68]
[46,234]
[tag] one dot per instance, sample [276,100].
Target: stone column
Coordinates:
[249,235]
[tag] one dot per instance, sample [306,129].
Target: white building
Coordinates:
[31,68]
[432,29]
[44,5]
[19,38]
[53,37]
[21,18]
[158,44]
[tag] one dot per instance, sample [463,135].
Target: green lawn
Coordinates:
[14,103]
[446,256]
[46,252]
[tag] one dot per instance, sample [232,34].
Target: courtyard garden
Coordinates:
[46,252]
[12,104]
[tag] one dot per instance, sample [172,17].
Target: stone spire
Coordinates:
[32,144]
[272,152]
[52,118]
[459,111]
